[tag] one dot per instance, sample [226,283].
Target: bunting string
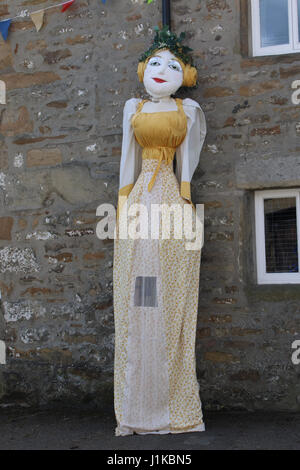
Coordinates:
[37,16]
[24,13]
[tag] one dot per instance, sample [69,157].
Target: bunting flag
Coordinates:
[38,18]
[67,5]
[4,27]
[2,92]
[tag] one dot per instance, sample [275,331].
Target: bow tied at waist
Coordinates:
[160,154]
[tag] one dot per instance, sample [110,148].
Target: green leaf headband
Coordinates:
[164,39]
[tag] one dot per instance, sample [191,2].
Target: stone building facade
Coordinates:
[60,143]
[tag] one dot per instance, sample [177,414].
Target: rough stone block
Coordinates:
[44,157]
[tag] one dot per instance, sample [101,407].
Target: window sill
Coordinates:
[271,292]
[270,59]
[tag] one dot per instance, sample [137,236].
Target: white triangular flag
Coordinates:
[2,92]
[37,18]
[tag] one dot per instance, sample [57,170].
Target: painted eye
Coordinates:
[174,65]
[155,61]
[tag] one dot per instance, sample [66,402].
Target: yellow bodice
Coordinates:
[159,133]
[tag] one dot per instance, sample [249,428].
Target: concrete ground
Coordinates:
[40,429]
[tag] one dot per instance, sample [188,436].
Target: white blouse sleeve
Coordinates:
[131,153]
[188,153]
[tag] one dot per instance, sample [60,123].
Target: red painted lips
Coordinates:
[159,80]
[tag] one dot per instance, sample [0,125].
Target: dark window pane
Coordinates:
[145,294]
[281,235]
[274,22]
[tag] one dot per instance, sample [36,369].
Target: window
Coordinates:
[275,27]
[277,221]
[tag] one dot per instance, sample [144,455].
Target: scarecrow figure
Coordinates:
[156,278]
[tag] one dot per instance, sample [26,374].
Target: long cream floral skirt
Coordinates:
[156,284]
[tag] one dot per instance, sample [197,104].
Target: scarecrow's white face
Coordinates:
[163,74]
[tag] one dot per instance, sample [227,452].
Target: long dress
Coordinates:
[156,280]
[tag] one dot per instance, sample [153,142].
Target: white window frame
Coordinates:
[262,276]
[294,44]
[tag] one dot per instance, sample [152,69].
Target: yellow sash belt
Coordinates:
[160,154]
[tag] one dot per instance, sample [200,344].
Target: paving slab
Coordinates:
[94,430]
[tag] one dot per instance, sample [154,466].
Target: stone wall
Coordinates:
[60,142]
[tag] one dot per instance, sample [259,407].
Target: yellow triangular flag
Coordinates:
[38,18]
